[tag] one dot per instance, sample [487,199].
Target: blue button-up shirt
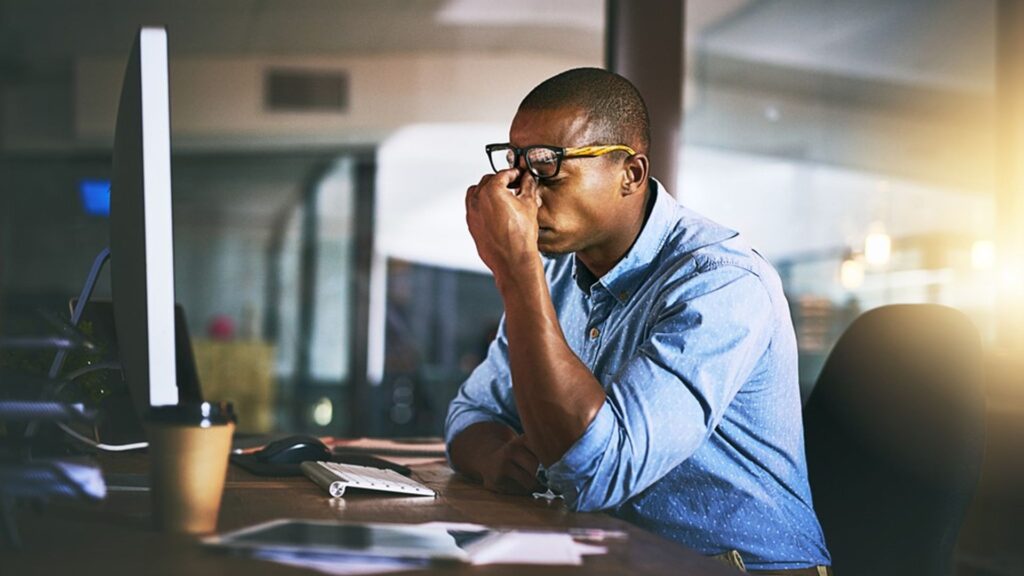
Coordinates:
[700,438]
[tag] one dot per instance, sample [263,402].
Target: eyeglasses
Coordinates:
[544,161]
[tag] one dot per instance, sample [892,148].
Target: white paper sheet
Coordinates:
[524,547]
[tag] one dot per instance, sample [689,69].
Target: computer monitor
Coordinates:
[141,241]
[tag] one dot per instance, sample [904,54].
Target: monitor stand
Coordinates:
[83,299]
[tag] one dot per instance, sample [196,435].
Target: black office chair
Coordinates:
[894,433]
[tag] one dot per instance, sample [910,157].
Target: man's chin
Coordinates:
[549,251]
[547,244]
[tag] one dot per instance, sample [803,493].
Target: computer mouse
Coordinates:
[293,450]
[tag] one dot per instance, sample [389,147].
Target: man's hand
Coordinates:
[503,220]
[495,455]
[512,469]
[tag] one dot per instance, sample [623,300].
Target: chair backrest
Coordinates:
[894,434]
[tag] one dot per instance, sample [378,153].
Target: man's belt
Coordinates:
[813,571]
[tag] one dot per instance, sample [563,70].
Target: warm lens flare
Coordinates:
[851,273]
[877,248]
[983,255]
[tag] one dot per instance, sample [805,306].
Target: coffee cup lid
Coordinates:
[193,414]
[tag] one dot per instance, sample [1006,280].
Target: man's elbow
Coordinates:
[602,473]
[600,488]
[594,499]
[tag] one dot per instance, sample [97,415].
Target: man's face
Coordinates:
[579,204]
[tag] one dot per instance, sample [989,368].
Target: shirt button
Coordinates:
[623,295]
[594,333]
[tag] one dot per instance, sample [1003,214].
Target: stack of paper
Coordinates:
[471,543]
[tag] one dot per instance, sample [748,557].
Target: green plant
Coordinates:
[90,388]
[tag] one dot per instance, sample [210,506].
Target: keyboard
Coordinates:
[337,478]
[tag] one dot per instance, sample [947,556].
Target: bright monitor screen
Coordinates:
[141,242]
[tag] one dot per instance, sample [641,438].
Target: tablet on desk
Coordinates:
[350,539]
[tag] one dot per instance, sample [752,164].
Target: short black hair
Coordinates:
[616,111]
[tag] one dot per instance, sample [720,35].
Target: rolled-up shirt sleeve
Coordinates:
[486,396]
[706,336]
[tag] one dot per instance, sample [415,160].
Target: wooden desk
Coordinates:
[116,537]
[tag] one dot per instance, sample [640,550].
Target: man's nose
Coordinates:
[528,183]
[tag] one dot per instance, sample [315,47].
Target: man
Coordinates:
[646,364]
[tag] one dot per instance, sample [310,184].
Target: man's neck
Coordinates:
[600,260]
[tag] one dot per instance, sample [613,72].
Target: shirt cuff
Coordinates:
[570,475]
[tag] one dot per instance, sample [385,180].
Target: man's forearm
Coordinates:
[469,448]
[556,394]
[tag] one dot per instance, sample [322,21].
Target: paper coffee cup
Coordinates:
[189,447]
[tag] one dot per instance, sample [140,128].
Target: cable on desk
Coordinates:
[100,445]
[85,439]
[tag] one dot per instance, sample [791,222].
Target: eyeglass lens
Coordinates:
[542,162]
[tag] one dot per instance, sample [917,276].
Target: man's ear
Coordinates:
[634,174]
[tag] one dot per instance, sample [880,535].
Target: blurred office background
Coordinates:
[321,150]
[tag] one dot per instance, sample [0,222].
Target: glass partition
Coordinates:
[852,143]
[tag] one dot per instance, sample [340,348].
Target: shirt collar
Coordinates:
[622,280]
